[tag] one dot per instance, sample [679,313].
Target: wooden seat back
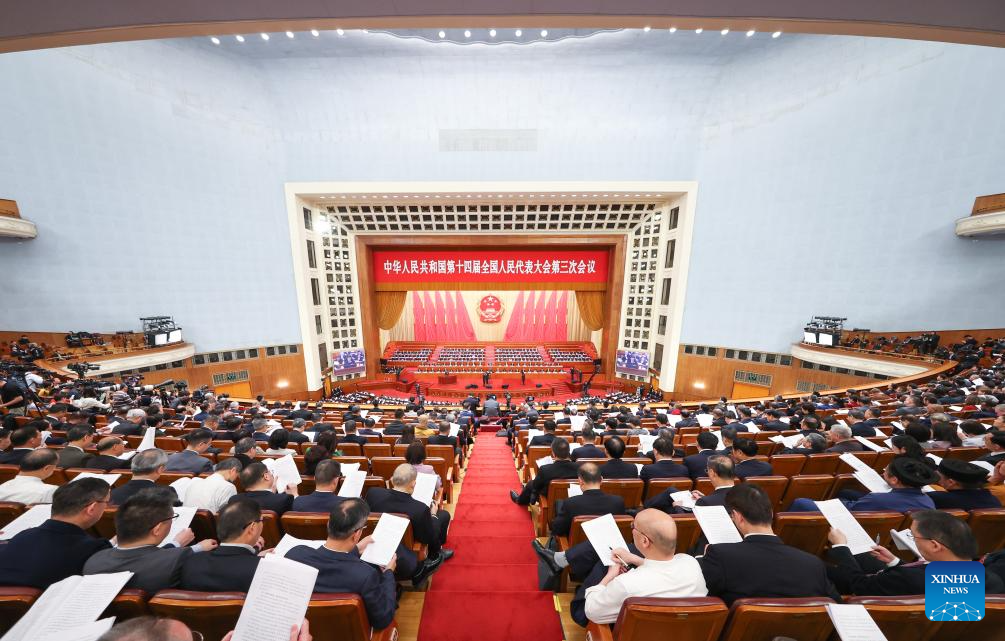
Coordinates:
[773,486]
[655,487]
[814,486]
[14,603]
[128,604]
[342,617]
[821,464]
[788,464]
[690,619]
[348,449]
[988,526]
[901,618]
[364,463]
[384,466]
[805,619]
[373,450]
[10,510]
[688,531]
[804,530]
[628,489]
[213,614]
[7,472]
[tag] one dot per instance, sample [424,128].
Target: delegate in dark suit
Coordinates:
[13,457]
[317,502]
[542,439]
[442,439]
[153,568]
[278,502]
[46,554]
[662,501]
[128,429]
[106,463]
[560,469]
[762,566]
[615,468]
[964,499]
[425,527]
[71,456]
[663,469]
[753,467]
[588,451]
[345,572]
[228,568]
[123,492]
[697,464]
[188,461]
[589,503]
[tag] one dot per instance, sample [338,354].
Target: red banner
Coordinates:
[490,265]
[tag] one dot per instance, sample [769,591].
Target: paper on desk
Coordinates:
[705,420]
[872,480]
[181,486]
[872,446]
[277,599]
[904,540]
[68,604]
[646,443]
[185,516]
[88,632]
[34,517]
[684,498]
[288,542]
[544,460]
[352,484]
[840,518]
[604,536]
[425,488]
[107,478]
[854,623]
[575,490]
[716,524]
[841,411]
[148,440]
[386,537]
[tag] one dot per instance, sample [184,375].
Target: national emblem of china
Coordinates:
[490,309]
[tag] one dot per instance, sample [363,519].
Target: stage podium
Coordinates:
[446,379]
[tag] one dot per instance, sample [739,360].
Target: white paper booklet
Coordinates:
[705,420]
[604,536]
[577,422]
[34,517]
[455,429]
[904,540]
[854,462]
[184,519]
[673,419]
[285,471]
[288,542]
[872,446]
[425,488]
[646,443]
[544,460]
[148,440]
[107,478]
[684,498]
[840,518]
[386,537]
[346,468]
[854,623]
[575,490]
[277,600]
[716,524]
[352,485]
[73,602]
[872,481]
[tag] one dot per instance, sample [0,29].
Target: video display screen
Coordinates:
[635,363]
[348,361]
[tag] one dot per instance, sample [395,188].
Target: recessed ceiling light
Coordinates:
[499,196]
[649,195]
[607,195]
[724,31]
[467,34]
[518,33]
[340,32]
[673,29]
[647,28]
[265,36]
[544,33]
[750,33]
[443,34]
[637,195]
[215,40]
[698,30]
[531,196]
[239,38]
[315,33]
[289,34]
[492,33]
[776,34]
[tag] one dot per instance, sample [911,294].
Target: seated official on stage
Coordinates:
[231,566]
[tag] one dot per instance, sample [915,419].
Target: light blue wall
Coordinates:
[155,170]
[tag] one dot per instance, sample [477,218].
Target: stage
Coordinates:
[552,387]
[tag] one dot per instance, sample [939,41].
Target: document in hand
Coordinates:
[532,433]
[352,484]
[904,540]
[87,632]
[840,518]
[386,537]
[751,427]
[718,437]
[425,488]
[854,623]
[872,446]
[604,536]
[937,459]
[288,542]
[183,520]
[73,602]
[544,460]
[577,422]
[107,478]
[705,420]
[277,600]
[673,419]
[558,416]
[181,486]
[34,517]
[455,429]
[854,462]
[575,490]
[285,470]
[148,440]
[646,443]
[872,481]
[716,524]
[345,468]
[684,498]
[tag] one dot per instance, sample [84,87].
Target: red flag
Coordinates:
[562,318]
[430,317]
[467,331]
[515,326]
[418,317]
[441,319]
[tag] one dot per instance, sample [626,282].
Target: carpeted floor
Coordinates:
[488,591]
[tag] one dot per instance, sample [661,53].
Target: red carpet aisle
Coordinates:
[488,591]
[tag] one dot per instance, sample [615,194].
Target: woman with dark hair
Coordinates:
[278,441]
[329,441]
[944,436]
[407,436]
[315,454]
[415,455]
[904,445]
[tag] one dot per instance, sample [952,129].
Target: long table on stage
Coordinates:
[446,379]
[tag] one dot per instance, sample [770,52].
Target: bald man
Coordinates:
[657,571]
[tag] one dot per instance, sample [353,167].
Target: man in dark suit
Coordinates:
[490,408]
[443,437]
[190,460]
[719,470]
[841,440]
[774,423]
[259,486]
[561,468]
[230,567]
[615,468]
[341,570]
[245,451]
[303,413]
[107,459]
[396,426]
[350,434]
[696,464]
[858,425]
[664,467]
[147,466]
[963,483]
[23,440]
[547,438]
[323,498]
[78,437]
[761,565]
[58,548]
[134,425]
[744,451]
[939,537]
[591,502]
[589,448]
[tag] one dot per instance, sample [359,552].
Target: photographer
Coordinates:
[12,395]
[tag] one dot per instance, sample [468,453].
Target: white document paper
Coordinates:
[673,419]
[455,429]
[716,524]
[34,517]
[955,408]
[785,419]
[88,632]
[841,411]
[897,425]
[285,471]
[125,456]
[288,542]
[904,540]
[577,422]
[277,599]
[148,440]
[705,420]
[987,466]
[346,468]
[684,498]
[604,536]
[352,484]
[68,604]
[575,490]
[751,427]
[732,408]
[854,462]
[937,459]
[363,413]
[531,434]
[646,443]
[872,481]
[854,623]
[107,478]
[840,518]
[661,411]
[977,381]
[573,447]
[185,516]
[718,437]
[544,460]
[181,486]
[875,447]
[638,466]
[386,538]
[558,416]
[425,488]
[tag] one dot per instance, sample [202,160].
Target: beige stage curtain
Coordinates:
[591,309]
[389,308]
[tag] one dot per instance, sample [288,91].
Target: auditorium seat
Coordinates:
[10,510]
[965,453]
[628,489]
[169,444]
[804,619]
[203,525]
[558,490]
[688,531]
[347,449]
[167,478]
[364,463]
[647,619]
[105,527]
[374,450]
[656,487]
[880,523]
[577,536]
[270,529]
[788,464]
[988,526]
[804,530]
[900,618]
[383,466]
[213,614]
[821,464]
[312,526]
[774,486]
[7,472]
[342,617]
[14,602]
[992,628]
[128,604]
[810,486]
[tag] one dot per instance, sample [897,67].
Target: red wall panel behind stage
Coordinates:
[490,265]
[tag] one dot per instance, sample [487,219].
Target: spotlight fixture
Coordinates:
[315,33]
[443,34]
[544,33]
[647,28]
[776,34]
[673,29]
[215,40]
[289,34]
[239,38]
[750,33]
[467,34]
[518,33]
[492,33]
[724,31]
[698,30]
[265,36]
[340,32]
